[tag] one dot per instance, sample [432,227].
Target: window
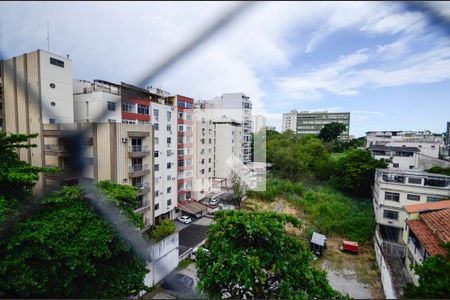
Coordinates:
[433,199]
[169,190]
[143,109]
[415,180]
[413,197]
[157,167]
[390,214]
[156,154]
[52,121]
[156,141]
[169,202]
[436,181]
[169,115]
[89,161]
[56,62]
[111,120]
[169,153]
[111,106]
[169,177]
[169,140]
[128,107]
[392,196]
[169,127]
[395,165]
[411,167]
[156,126]
[156,113]
[156,206]
[169,165]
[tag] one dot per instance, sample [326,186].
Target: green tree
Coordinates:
[439,170]
[16,177]
[354,172]
[66,250]
[251,255]
[330,132]
[238,190]
[434,278]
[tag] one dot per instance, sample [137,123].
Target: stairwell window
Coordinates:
[56,62]
[111,106]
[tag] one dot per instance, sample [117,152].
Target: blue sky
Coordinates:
[386,64]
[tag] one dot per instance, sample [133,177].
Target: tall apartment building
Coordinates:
[289,121]
[98,101]
[227,149]
[394,189]
[113,151]
[203,150]
[258,123]
[237,106]
[305,122]
[35,89]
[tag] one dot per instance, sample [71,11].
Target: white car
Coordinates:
[194,252]
[214,202]
[184,219]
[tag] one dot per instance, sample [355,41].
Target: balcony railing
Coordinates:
[138,148]
[142,186]
[418,253]
[137,168]
[54,148]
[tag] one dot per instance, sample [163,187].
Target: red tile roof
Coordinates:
[432,228]
[427,206]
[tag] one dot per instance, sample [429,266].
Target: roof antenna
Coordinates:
[48,36]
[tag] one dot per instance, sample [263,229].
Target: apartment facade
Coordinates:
[289,121]
[97,101]
[427,225]
[238,107]
[306,122]
[35,89]
[258,123]
[113,151]
[227,149]
[203,150]
[393,189]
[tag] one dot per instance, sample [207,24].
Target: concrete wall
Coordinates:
[93,107]
[386,278]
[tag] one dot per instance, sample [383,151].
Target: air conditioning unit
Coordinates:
[125,140]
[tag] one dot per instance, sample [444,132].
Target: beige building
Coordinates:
[393,189]
[203,151]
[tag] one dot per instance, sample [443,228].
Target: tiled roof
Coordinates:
[427,206]
[431,229]
[439,223]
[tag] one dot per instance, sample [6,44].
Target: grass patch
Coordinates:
[183,264]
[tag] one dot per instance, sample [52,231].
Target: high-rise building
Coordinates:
[258,123]
[238,107]
[306,122]
[35,89]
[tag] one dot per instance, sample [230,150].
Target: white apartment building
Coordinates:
[203,151]
[394,189]
[164,121]
[227,149]
[289,121]
[237,106]
[425,141]
[98,101]
[258,123]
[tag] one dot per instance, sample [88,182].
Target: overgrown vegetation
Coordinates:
[439,170]
[163,230]
[329,211]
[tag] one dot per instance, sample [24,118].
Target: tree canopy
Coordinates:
[354,172]
[434,278]
[330,132]
[251,255]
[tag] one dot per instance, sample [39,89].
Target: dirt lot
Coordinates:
[356,275]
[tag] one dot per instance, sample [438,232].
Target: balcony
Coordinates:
[145,206]
[144,188]
[138,170]
[417,252]
[138,151]
[57,150]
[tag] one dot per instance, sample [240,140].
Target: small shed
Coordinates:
[318,243]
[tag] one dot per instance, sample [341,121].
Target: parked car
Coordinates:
[214,202]
[179,283]
[194,252]
[184,219]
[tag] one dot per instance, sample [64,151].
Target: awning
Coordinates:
[192,207]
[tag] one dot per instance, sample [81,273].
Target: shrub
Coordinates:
[163,230]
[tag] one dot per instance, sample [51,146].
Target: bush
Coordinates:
[163,230]
[278,187]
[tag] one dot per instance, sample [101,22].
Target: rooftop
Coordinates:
[432,228]
[412,173]
[393,148]
[424,207]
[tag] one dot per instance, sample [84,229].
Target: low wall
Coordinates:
[386,278]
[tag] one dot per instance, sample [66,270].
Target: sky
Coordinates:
[386,63]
